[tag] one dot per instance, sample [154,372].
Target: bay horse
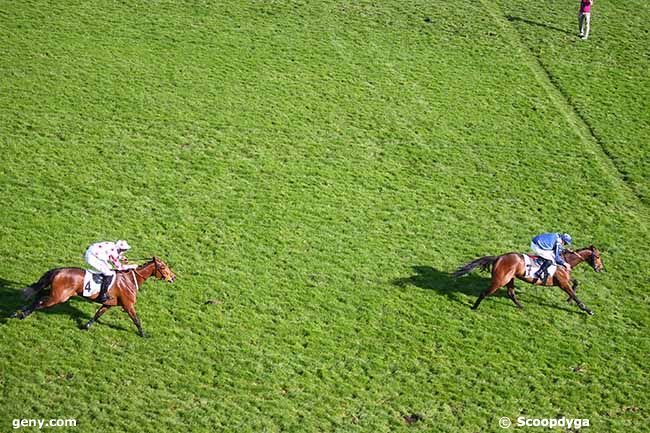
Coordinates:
[67,282]
[507,267]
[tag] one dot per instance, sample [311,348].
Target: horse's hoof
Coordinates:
[591,313]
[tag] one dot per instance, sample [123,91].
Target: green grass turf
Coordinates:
[605,79]
[317,169]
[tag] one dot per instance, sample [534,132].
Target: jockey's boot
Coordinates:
[103,292]
[542,273]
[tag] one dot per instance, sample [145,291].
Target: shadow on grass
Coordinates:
[104,323]
[429,278]
[537,24]
[567,307]
[471,285]
[11,301]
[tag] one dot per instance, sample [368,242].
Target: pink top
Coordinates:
[107,251]
[585,6]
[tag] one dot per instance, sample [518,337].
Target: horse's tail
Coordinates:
[485,263]
[38,286]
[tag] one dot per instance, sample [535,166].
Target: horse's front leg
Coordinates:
[98,314]
[574,284]
[134,316]
[572,296]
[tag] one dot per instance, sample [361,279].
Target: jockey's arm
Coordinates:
[117,263]
[558,256]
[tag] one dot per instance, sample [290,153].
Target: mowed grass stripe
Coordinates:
[556,93]
[604,79]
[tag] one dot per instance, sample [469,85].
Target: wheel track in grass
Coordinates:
[562,101]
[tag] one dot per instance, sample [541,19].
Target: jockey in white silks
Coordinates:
[103,256]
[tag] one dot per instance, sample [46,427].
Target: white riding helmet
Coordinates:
[122,245]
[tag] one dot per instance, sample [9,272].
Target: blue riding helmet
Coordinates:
[566,238]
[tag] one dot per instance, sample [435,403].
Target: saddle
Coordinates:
[93,282]
[533,263]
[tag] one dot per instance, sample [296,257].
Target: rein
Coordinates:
[155,263]
[575,254]
[591,259]
[135,280]
[134,271]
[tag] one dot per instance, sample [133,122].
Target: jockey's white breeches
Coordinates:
[546,254]
[98,264]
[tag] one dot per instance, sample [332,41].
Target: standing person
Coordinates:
[549,246]
[584,18]
[99,255]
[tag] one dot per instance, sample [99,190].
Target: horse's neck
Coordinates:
[578,257]
[145,271]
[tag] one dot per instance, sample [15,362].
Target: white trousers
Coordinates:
[98,264]
[547,254]
[584,22]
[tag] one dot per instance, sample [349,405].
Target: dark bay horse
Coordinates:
[507,267]
[67,282]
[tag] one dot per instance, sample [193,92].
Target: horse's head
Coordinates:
[162,271]
[594,260]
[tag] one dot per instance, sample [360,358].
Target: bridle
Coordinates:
[591,260]
[575,254]
[155,271]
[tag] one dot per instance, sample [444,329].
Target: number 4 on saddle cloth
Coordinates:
[93,282]
[533,263]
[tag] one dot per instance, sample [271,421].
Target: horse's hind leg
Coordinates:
[496,283]
[36,305]
[490,290]
[511,293]
[98,314]
[21,313]
[45,301]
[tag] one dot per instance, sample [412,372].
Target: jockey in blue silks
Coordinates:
[550,247]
